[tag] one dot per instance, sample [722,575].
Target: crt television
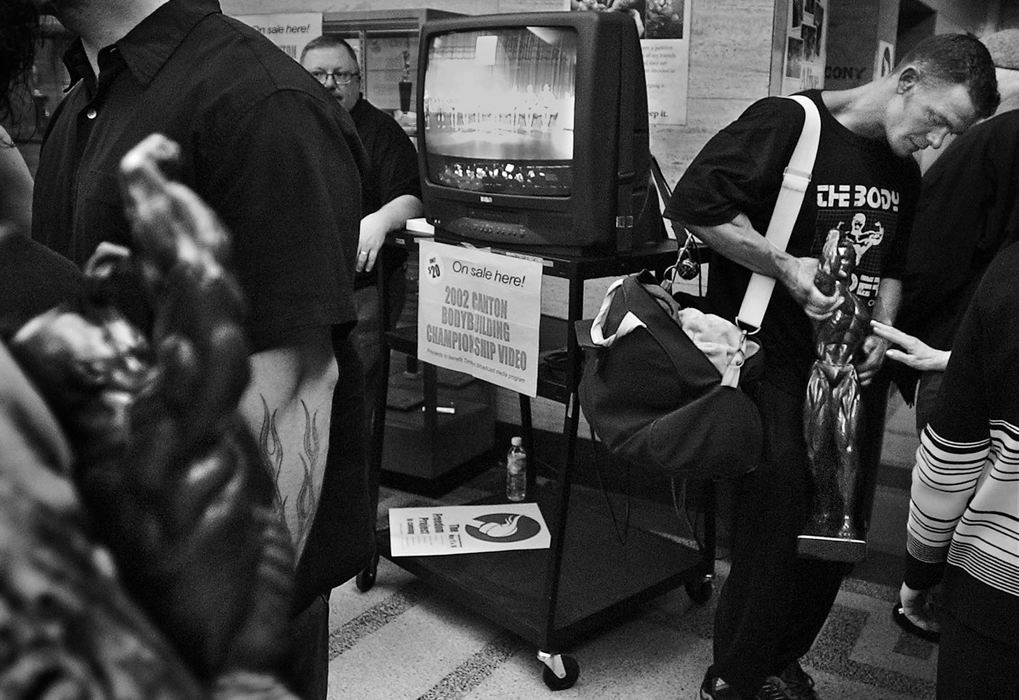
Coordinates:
[533,132]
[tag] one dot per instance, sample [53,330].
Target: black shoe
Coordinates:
[798,681]
[792,684]
[774,688]
[904,623]
[714,688]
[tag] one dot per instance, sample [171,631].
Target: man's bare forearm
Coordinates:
[889,298]
[740,242]
[288,406]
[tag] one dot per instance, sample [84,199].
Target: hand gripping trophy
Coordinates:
[831,414]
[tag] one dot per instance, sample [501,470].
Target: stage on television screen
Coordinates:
[533,131]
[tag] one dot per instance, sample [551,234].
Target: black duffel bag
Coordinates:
[655,399]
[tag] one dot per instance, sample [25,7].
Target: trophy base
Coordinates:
[831,548]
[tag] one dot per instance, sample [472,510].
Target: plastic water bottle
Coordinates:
[516,470]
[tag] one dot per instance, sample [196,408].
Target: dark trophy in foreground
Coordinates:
[831,414]
[166,478]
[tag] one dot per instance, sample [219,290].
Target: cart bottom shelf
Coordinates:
[603,574]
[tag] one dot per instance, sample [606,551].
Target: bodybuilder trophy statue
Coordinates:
[831,414]
[159,479]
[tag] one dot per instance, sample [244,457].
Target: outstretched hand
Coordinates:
[914,353]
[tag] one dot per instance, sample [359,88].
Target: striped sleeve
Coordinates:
[944,479]
[986,541]
[954,447]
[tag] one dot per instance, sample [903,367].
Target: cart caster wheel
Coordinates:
[366,576]
[700,591]
[569,667]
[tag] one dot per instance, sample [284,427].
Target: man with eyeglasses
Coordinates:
[392,194]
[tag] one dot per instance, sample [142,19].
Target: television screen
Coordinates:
[499,109]
[533,132]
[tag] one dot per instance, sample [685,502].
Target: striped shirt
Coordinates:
[964,508]
[965,505]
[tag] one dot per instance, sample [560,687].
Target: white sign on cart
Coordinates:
[478,313]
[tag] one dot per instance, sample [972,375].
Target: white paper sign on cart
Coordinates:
[478,313]
[466,529]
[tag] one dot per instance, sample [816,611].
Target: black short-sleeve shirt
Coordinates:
[392,157]
[858,185]
[253,128]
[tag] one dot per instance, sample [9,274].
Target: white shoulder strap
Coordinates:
[787,208]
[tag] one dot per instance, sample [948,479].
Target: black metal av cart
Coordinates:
[588,576]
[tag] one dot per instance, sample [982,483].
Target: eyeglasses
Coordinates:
[340,77]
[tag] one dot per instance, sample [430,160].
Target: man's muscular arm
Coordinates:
[288,406]
[740,242]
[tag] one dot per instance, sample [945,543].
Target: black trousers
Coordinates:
[305,668]
[972,666]
[773,603]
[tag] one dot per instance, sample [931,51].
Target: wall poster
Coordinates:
[805,46]
[663,26]
[289,31]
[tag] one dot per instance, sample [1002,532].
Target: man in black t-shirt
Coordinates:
[773,604]
[252,126]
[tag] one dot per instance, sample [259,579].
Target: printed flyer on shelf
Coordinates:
[466,529]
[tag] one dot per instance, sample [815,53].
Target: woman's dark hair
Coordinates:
[19,31]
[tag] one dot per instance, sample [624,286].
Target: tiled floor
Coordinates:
[402,639]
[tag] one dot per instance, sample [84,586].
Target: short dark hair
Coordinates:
[329,41]
[958,59]
[19,32]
